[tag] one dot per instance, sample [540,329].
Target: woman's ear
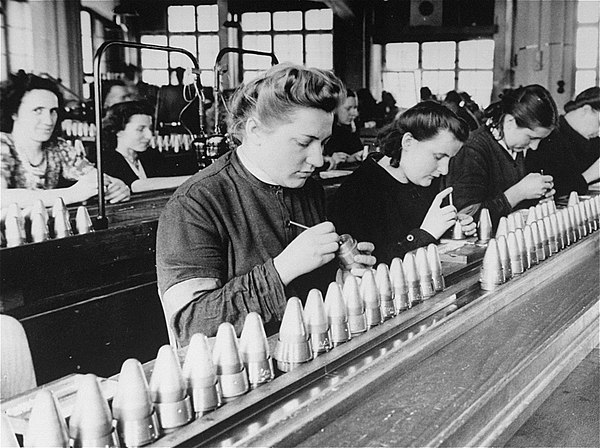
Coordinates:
[407,141]
[254,132]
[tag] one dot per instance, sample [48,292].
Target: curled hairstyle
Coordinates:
[532,106]
[14,89]
[424,121]
[590,97]
[118,115]
[272,97]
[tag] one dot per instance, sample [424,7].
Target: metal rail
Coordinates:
[101,221]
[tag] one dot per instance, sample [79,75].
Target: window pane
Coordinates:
[187,43]
[259,43]
[476,54]
[154,58]
[403,56]
[319,53]
[287,20]
[477,84]
[586,47]
[584,79]
[588,11]
[156,77]
[439,54]
[207,78]
[249,75]
[208,48]
[403,85]
[439,82]
[208,18]
[181,18]
[256,21]
[288,47]
[318,19]
[87,51]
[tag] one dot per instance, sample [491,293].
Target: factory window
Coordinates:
[193,28]
[441,66]
[586,45]
[302,37]
[87,52]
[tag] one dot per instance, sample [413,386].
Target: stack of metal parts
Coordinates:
[38,225]
[172,142]
[518,246]
[143,411]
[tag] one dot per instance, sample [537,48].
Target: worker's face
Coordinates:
[519,139]
[289,151]
[37,115]
[424,160]
[590,122]
[348,111]
[137,133]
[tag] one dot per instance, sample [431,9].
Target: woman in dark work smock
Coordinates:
[489,170]
[225,245]
[570,154]
[393,198]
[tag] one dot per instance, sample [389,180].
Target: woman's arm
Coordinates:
[157,183]
[83,189]
[592,174]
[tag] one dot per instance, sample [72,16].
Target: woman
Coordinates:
[35,163]
[226,242]
[127,129]
[344,145]
[489,171]
[570,154]
[393,199]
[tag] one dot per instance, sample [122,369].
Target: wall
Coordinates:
[544,45]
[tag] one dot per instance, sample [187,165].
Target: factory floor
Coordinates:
[570,417]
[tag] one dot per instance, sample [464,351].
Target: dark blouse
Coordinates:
[225,224]
[371,205]
[114,164]
[343,140]
[481,172]
[565,155]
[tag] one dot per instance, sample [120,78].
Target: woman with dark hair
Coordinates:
[393,199]
[127,131]
[226,245]
[36,164]
[489,171]
[344,145]
[571,153]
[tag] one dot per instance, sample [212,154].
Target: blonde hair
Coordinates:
[273,96]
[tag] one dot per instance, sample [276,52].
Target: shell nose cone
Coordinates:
[47,426]
[484,226]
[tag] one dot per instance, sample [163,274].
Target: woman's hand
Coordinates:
[532,186]
[335,159]
[311,249]
[365,259]
[116,190]
[356,157]
[83,189]
[439,219]
[467,223]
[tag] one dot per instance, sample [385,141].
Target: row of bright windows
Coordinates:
[441,66]
[295,36]
[205,18]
